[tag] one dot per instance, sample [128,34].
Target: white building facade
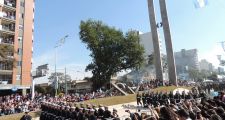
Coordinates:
[205,65]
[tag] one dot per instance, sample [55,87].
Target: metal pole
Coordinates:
[32,88]
[61,42]
[65,82]
[56,80]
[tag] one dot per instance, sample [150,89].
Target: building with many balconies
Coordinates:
[185,61]
[16,29]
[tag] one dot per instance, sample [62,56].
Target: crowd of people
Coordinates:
[192,105]
[16,104]
[184,106]
[154,83]
[69,111]
[150,84]
[161,106]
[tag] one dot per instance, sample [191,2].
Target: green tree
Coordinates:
[61,77]
[50,90]
[151,59]
[204,74]
[194,74]
[213,76]
[40,89]
[61,80]
[111,50]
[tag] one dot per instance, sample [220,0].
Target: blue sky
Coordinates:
[190,27]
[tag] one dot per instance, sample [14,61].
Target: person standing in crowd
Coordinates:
[115,114]
[138,98]
[100,111]
[92,116]
[160,98]
[26,116]
[148,98]
[177,97]
[95,110]
[80,114]
[222,96]
[165,98]
[183,95]
[107,113]
[143,99]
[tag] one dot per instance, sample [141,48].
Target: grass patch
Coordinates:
[129,98]
[104,101]
[19,115]
[169,88]
[112,100]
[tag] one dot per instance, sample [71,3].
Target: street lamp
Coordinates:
[58,44]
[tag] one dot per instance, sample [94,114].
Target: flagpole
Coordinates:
[56,80]
[58,44]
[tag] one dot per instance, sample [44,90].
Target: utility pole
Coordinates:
[168,42]
[65,82]
[155,38]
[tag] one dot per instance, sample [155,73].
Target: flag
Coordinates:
[222,43]
[61,41]
[200,3]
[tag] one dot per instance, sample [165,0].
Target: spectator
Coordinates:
[26,116]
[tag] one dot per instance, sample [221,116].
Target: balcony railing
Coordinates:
[10,17]
[4,67]
[11,3]
[6,41]
[5,81]
[7,28]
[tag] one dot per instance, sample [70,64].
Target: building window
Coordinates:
[21,27]
[20,39]
[19,63]
[21,15]
[18,77]
[22,4]
[19,51]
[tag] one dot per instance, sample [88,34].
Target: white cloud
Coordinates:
[211,55]
[44,59]
[75,70]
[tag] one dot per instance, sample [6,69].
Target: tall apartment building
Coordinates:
[16,29]
[205,65]
[186,59]
[147,42]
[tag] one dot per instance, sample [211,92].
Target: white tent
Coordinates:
[180,90]
[208,81]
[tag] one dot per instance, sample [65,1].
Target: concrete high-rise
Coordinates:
[16,29]
[205,65]
[186,60]
[147,42]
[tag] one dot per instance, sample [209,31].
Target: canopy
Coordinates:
[180,90]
